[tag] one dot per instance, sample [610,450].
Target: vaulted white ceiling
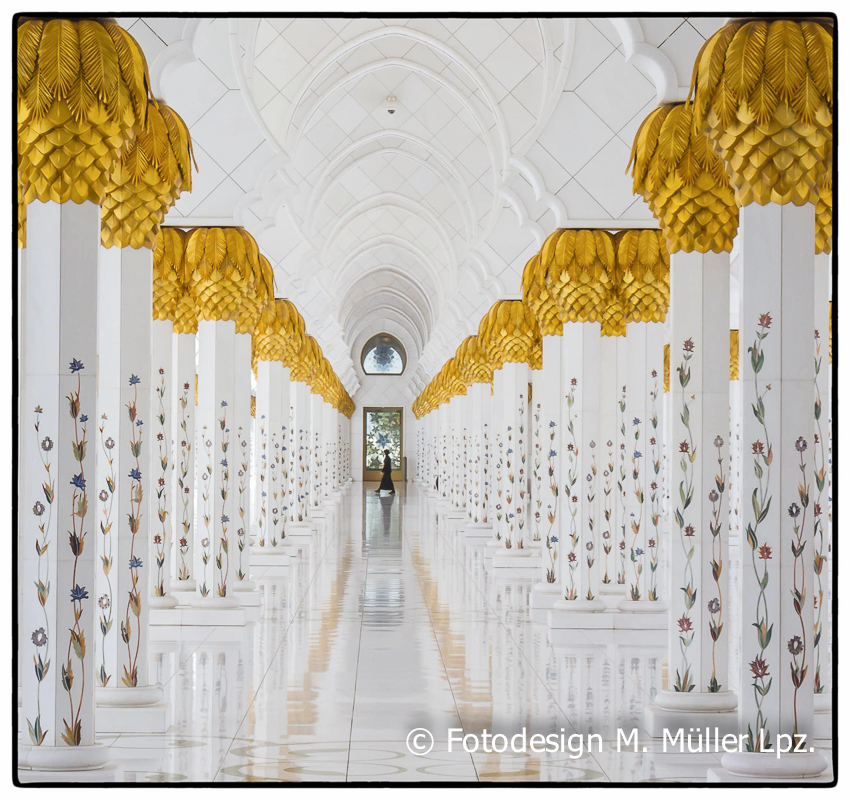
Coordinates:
[413,222]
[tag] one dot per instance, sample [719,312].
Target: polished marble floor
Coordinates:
[379,627]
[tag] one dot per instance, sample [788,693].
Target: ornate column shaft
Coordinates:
[215,450]
[611,558]
[241,462]
[300,457]
[779,161]
[317,435]
[184,467]
[59,611]
[639,397]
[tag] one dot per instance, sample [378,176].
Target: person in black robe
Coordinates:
[387,476]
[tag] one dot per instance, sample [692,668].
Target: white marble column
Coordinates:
[644,356]
[550,392]
[777,576]
[161,498]
[129,575]
[317,470]
[699,467]
[216,464]
[579,466]
[272,461]
[609,461]
[59,612]
[241,462]
[183,430]
[822,477]
[513,400]
[299,481]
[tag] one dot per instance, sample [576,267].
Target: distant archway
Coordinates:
[383,354]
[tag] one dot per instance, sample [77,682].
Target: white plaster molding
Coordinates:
[650,60]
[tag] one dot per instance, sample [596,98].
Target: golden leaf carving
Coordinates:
[763,96]
[146,182]
[83,91]
[684,185]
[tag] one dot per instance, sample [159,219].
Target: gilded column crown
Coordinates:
[305,364]
[643,290]
[579,268]
[22,217]
[320,382]
[279,333]
[224,266]
[260,291]
[455,385]
[734,371]
[169,272]
[683,182]
[147,180]
[82,97]
[763,94]
[473,362]
[536,295]
[509,332]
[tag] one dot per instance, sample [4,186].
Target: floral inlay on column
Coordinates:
[797,644]
[569,491]
[758,732]
[485,504]
[41,636]
[621,490]
[275,483]
[537,474]
[636,553]
[222,559]
[590,544]
[72,735]
[499,486]
[608,511]
[183,481]
[206,480]
[552,508]
[653,544]
[509,488]
[688,451]
[263,495]
[284,480]
[718,522]
[160,539]
[130,629]
[106,496]
[242,491]
[819,540]
[523,491]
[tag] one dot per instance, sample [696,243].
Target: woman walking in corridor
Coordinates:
[387,475]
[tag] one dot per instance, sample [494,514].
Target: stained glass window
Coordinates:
[383,355]
[383,432]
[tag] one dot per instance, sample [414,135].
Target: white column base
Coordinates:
[305,528]
[767,768]
[478,530]
[215,602]
[642,606]
[524,559]
[246,585]
[169,601]
[822,728]
[544,596]
[280,556]
[672,711]
[135,719]
[185,586]
[59,764]
[202,616]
